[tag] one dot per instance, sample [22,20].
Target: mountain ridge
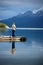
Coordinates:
[28,19]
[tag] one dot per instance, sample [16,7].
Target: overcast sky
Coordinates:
[9,8]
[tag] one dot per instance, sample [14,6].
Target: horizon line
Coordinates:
[28,28]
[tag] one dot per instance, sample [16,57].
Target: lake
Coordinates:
[27,53]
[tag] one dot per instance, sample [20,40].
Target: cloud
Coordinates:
[7,14]
[20,2]
[12,4]
[18,6]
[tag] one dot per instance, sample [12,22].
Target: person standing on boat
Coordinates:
[13,35]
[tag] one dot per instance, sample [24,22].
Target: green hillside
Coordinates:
[2,25]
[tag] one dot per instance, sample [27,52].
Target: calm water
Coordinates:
[27,53]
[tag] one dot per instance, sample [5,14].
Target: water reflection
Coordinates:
[27,53]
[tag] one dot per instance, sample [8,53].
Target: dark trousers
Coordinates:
[13,35]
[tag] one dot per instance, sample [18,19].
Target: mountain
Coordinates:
[28,13]
[28,19]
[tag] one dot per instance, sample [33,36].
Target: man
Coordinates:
[13,35]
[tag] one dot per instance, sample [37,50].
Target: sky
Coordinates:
[10,8]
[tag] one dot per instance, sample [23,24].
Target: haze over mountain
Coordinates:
[28,19]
